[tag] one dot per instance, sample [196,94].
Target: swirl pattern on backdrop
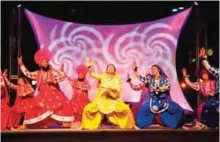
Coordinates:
[147,43]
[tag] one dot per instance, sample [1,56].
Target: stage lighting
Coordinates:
[181,8]
[174,10]
[209,52]
[183,85]
[19,6]
[195,3]
[33,82]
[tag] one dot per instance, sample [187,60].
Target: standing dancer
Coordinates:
[160,101]
[80,92]
[207,90]
[23,103]
[4,103]
[107,102]
[50,96]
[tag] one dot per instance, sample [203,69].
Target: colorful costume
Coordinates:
[4,104]
[23,104]
[57,105]
[107,102]
[207,93]
[144,97]
[160,103]
[211,107]
[80,93]
[214,71]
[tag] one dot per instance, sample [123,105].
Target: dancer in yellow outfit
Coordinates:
[107,102]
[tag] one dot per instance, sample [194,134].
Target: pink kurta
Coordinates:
[204,92]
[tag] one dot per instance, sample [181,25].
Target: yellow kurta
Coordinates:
[107,102]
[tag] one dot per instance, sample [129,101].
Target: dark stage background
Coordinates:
[117,13]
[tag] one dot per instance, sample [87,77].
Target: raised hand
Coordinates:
[184,72]
[128,76]
[5,73]
[134,65]
[20,61]
[202,52]
[88,62]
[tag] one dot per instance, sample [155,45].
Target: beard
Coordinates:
[81,79]
[45,68]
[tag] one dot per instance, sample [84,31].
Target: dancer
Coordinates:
[4,103]
[50,96]
[211,103]
[160,101]
[80,92]
[212,70]
[107,102]
[23,103]
[207,90]
[144,97]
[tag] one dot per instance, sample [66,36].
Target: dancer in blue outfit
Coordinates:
[160,103]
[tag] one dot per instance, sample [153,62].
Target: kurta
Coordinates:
[56,104]
[4,105]
[107,102]
[207,111]
[160,103]
[23,104]
[80,97]
[144,97]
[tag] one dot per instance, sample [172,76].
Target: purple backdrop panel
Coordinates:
[148,43]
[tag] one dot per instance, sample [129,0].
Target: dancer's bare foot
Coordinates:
[66,124]
[136,127]
[200,125]
[75,125]
[22,127]
[185,128]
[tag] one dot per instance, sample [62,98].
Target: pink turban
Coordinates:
[82,69]
[42,54]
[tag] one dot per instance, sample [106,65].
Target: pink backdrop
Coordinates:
[148,43]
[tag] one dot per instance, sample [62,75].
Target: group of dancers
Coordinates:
[50,107]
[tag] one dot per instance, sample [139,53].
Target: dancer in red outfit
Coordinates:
[80,92]
[24,101]
[4,104]
[50,96]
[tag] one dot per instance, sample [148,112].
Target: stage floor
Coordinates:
[111,134]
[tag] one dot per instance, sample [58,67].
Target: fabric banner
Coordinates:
[147,43]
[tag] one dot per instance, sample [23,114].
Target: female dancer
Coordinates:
[4,103]
[23,103]
[160,101]
[144,97]
[207,91]
[107,102]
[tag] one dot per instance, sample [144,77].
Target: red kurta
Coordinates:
[4,105]
[56,104]
[24,103]
[80,97]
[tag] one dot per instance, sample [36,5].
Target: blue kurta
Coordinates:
[159,103]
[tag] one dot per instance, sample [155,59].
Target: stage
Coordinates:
[153,134]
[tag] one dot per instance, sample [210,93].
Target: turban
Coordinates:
[82,69]
[42,54]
